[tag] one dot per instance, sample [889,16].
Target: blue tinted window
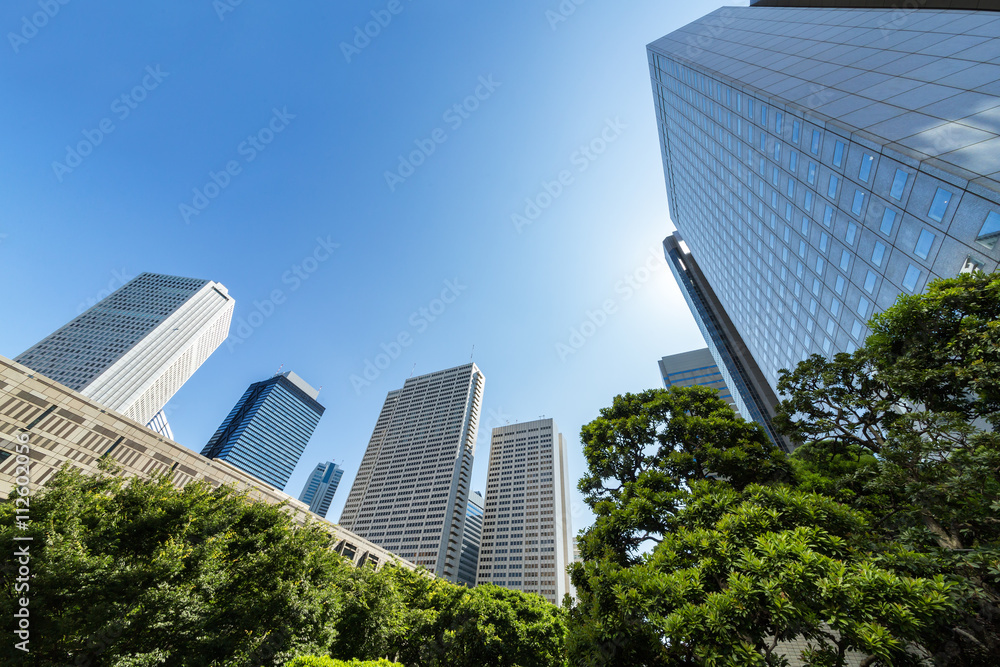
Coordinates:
[796,129]
[824,241]
[815,143]
[852,232]
[778,118]
[838,154]
[924,243]
[898,184]
[763,115]
[804,227]
[911,277]
[866,168]
[878,253]
[809,201]
[991,230]
[811,174]
[831,191]
[888,219]
[777,151]
[828,215]
[857,329]
[839,288]
[870,282]
[940,204]
[859,202]
[845,260]
[793,160]
[749,107]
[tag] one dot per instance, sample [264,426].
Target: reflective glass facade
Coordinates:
[819,162]
[268,429]
[471,540]
[321,486]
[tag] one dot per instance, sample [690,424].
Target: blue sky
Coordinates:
[503,153]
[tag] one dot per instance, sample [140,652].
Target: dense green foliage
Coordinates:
[879,536]
[136,572]
[326,661]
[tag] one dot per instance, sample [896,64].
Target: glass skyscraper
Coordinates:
[821,160]
[268,429]
[411,492]
[695,368]
[471,540]
[134,349]
[321,486]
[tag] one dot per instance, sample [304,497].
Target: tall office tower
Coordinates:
[471,540]
[696,368]
[750,392]
[527,529]
[320,487]
[268,428]
[135,348]
[412,489]
[160,425]
[820,161]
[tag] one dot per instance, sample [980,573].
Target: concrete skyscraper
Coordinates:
[268,428]
[321,486]
[134,349]
[471,540]
[412,488]
[821,160]
[527,529]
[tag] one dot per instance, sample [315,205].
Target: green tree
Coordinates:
[643,452]
[138,572]
[740,561]
[904,429]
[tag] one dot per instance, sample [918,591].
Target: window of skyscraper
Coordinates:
[824,241]
[990,232]
[828,215]
[778,118]
[940,204]
[831,191]
[814,149]
[852,232]
[835,306]
[856,330]
[870,282]
[808,204]
[888,218]
[845,260]
[878,253]
[811,174]
[898,184]
[793,161]
[820,265]
[911,277]
[923,247]
[838,154]
[864,173]
[859,202]
[796,130]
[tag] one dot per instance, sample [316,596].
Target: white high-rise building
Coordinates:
[135,348]
[412,489]
[527,529]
